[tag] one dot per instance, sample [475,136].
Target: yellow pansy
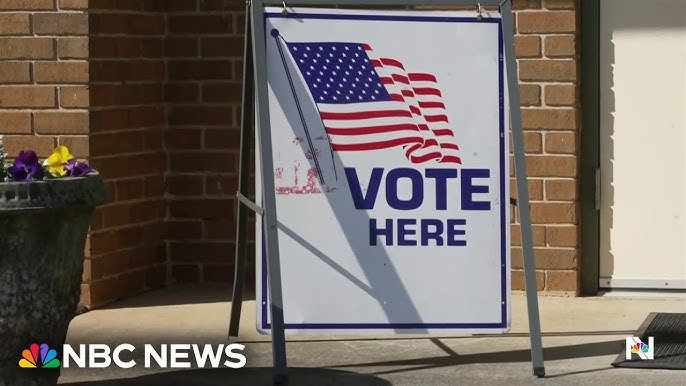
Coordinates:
[60,156]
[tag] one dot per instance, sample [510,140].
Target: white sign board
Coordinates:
[402,115]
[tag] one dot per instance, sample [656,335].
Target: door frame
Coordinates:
[589,163]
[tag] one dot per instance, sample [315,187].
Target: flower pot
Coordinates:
[43,230]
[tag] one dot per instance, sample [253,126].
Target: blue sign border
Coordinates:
[503,201]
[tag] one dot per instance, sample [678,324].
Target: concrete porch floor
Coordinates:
[581,337]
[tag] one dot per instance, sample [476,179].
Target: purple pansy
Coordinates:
[77,169]
[26,167]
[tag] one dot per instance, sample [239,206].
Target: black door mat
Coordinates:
[669,343]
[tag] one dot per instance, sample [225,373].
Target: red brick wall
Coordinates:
[44,73]
[204,50]
[127,123]
[150,92]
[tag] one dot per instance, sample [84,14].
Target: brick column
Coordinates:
[546,45]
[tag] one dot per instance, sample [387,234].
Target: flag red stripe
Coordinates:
[451,159]
[427,91]
[436,118]
[376,145]
[367,114]
[426,157]
[412,149]
[430,142]
[442,132]
[371,129]
[431,105]
[392,62]
[400,78]
[418,77]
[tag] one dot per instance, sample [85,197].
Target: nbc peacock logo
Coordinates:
[640,348]
[39,356]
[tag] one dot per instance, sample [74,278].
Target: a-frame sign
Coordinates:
[382,170]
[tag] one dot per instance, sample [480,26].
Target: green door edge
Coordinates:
[590,146]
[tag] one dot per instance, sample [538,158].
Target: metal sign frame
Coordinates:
[255,95]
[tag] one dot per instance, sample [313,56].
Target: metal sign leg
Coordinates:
[243,178]
[269,193]
[522,192]
[255,53]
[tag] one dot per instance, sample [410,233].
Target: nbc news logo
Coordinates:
[40,356]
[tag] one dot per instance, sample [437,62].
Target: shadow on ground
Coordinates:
[245,376]
[180,294]
[453,358]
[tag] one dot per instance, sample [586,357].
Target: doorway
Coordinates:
[642,174]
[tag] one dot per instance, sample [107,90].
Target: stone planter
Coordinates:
[43,229]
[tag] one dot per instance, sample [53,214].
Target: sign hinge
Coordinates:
[597,189]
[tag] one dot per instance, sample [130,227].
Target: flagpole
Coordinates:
[275,34]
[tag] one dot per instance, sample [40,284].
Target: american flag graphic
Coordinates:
[370,103]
